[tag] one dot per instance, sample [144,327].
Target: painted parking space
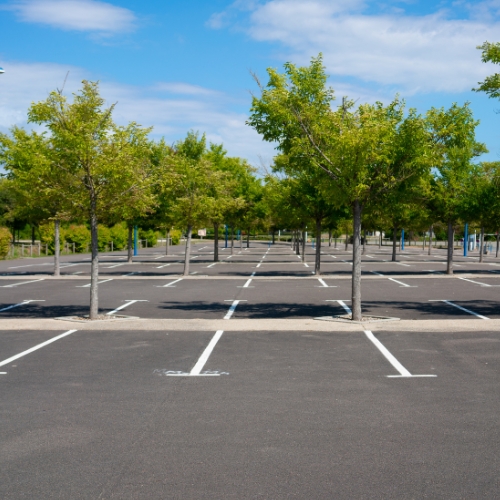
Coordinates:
[266,297]
[287,399]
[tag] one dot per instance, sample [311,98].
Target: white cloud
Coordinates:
[409,53]
[75,15]
[199,109]
[183,89]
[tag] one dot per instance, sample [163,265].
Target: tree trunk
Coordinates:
[356,263]
[232,240]
[329,237]
[346,240]
[187,254]
[248,238]
[94,267]
[297,243]
[274,233]
[241,240]
[57,248]
[317,263]
[167,242]
[130,244]
[216,242]
[394,233]
[303,246]
[430,240]
[481,245]
[449,263]
[423,244]
[32,234]
[364,242]
[498,243]
[380,241]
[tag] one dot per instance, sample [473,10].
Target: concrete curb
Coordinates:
[255,325]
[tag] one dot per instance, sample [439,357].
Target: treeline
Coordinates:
[346,168]
[373,166]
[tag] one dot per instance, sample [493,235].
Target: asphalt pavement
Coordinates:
[401,411]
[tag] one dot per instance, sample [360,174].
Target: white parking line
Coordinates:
[39,346]
[307,265]
[24,302]
[404,373]
[375,272]
[403,284]
[246,285]
[343,304]
[22,283]
[258,265]
[127,303]
[31,265]
[461,308]
[401,264]
[232,308]
[171,283]
[322,282]
[212,265]
[114,265]
[164,265]
[88,285]
[196,371]
[476,282]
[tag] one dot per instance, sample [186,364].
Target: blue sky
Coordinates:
[186,65]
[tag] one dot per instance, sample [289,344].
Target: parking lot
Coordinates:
[225,385]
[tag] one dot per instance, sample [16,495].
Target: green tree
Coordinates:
[353,147]
[99,168]
[455,146]
[491,84]
[191,177]
[35,183]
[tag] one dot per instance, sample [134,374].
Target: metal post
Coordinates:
[402,239]
[135,240]
[466,239]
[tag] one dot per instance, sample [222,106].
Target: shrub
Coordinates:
[149,235]
[175,234]
[47,235]
[119,236]
[5,239]
[79,235]
[103,238]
